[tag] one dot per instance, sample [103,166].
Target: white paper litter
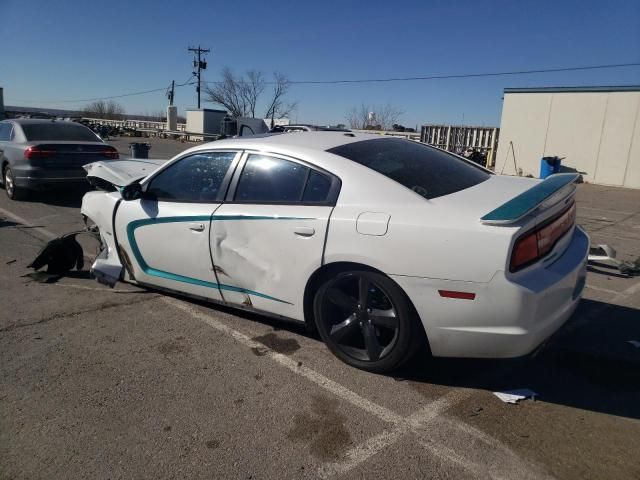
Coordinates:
[635,343]
[514,396]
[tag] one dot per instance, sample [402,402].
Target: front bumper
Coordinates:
[509,317]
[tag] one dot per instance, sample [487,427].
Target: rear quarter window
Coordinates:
[37,132]
[428,171]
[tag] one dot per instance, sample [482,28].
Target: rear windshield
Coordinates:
[36,132]
[425,170]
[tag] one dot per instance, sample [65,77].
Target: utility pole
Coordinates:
[171,92]
[199,65]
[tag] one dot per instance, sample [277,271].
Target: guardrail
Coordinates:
[408,135]
[135,124]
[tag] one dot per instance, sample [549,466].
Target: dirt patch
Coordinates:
[212,444]
[323,429]
[173,346]
[286,346]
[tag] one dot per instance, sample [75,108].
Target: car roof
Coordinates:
[306,140]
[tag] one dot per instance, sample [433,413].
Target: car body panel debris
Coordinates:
[514,396]
[605,256]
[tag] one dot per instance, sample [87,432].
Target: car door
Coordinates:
[269,235]
[164,237]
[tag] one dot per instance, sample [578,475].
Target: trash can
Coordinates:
[549,166]
[139,150]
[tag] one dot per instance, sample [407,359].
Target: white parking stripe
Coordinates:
[362,452]
[633,289]
[600,289]
[503,463]
[340,391]
[42,231]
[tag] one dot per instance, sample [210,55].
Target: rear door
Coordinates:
[164,238]
[269,236]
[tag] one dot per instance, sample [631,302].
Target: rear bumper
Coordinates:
[508,317]
[33,177]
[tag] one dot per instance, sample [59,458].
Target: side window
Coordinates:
[267,179]
[196,178]
[5,128]
[317,189]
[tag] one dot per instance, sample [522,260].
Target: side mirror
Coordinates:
[133,191]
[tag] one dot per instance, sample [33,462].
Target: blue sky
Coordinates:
[58,50]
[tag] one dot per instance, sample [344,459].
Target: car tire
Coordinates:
[367,321]
[13,192]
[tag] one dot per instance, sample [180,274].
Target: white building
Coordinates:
[597,129]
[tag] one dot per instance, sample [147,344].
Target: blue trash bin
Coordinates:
[549,166]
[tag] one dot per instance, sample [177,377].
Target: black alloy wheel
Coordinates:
[367,321]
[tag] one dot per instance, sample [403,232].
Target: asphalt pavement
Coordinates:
[131,383]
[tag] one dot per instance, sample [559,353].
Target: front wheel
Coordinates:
[367,321]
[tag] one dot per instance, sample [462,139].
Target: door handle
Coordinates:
[196,227]
[304,231]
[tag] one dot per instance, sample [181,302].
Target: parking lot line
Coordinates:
[603,290]
[607,210]
[340,391]
[505,462]
[42,231]
[632,290]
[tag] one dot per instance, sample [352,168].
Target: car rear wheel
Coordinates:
[13,192]
[367,321]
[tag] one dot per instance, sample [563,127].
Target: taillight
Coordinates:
[36,152]
[537,243]
[525,251]
[111,153]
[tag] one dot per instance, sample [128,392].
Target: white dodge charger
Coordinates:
[381,244]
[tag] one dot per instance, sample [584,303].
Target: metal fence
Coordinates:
[136,124]
[458,138]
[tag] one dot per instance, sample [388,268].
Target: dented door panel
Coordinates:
[264,254]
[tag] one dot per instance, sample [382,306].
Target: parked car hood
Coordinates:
[122,172]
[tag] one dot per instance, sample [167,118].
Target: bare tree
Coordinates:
[240,94]
[108,110]
[373,117]
[278,108]
[251,89]
[229,93]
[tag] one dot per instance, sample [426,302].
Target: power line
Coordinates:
[144,92]
[374,80]
[464,75]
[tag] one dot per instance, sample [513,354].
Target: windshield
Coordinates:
[428,171]
[58,131]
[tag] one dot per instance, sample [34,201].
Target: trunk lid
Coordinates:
[69,154]
[509,201]
[514,207]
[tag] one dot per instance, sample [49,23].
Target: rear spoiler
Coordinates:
[548,192]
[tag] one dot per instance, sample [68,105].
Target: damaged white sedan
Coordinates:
[384,245]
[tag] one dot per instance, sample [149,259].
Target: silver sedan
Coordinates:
[36,153]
